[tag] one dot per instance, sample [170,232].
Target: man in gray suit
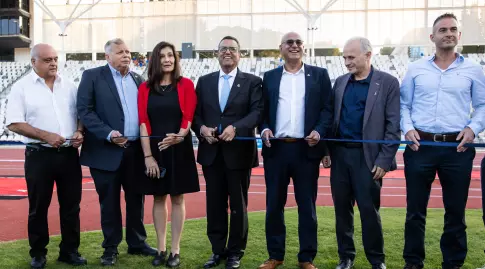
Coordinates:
[366,106]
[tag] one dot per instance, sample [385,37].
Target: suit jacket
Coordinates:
[243,110]
[99,109]
[381,117]
[318,105]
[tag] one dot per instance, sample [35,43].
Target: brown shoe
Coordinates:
[306,265]
[270,264]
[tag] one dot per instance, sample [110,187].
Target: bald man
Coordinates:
[42,108]
[366,103]
[297,111]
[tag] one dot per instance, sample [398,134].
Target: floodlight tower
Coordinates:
[63,24]
[311,19]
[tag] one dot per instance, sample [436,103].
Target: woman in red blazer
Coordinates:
[166,105]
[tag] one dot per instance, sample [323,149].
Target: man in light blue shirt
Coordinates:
[128,92]
[107,106]
[436,95]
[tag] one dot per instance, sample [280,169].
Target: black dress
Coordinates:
[181,175]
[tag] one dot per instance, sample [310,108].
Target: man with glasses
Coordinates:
[298,112]
[229,104]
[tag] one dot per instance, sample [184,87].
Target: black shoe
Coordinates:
[233,262]
[379,266]
[38,262]
[412,266]
[173,260]
[145,251]
[446,266]
[109,259]
[160,259]
[214,261]
[73,258]
[345,264]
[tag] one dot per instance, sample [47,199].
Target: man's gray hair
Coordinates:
[109,44]
[34,52]
[365,45]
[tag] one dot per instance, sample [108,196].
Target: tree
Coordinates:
[386,50]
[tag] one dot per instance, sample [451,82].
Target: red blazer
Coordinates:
[187,101]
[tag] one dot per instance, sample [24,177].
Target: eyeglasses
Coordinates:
[290,42]
[231,49]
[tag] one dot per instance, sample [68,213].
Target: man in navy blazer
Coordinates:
[107,106]
[297,111]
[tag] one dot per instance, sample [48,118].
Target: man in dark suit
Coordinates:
[229,103]
[297,111]
[366,103]
[107,106]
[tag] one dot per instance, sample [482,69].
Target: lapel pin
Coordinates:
[239,85]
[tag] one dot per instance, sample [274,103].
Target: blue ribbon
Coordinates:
[392,142]
[389,142]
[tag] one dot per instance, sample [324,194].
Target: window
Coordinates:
[25,5]
[9,4]
[14,26]
[3,26]
[25,26]
[7,55]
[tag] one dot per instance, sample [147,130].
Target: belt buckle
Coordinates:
[443,138]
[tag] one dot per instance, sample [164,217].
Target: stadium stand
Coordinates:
[10,72]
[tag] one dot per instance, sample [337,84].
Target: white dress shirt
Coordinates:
[290,114]
[32,101]
[233,74]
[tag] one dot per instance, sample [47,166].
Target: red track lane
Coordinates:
[14,213]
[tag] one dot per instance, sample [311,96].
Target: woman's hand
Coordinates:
[152,169]
[171,139]
[326,162]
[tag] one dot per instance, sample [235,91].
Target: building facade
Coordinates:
[258,24]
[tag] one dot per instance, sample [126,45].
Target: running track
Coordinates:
[13,213]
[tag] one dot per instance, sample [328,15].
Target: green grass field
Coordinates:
[195,248]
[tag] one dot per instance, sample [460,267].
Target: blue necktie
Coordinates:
[225,92]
